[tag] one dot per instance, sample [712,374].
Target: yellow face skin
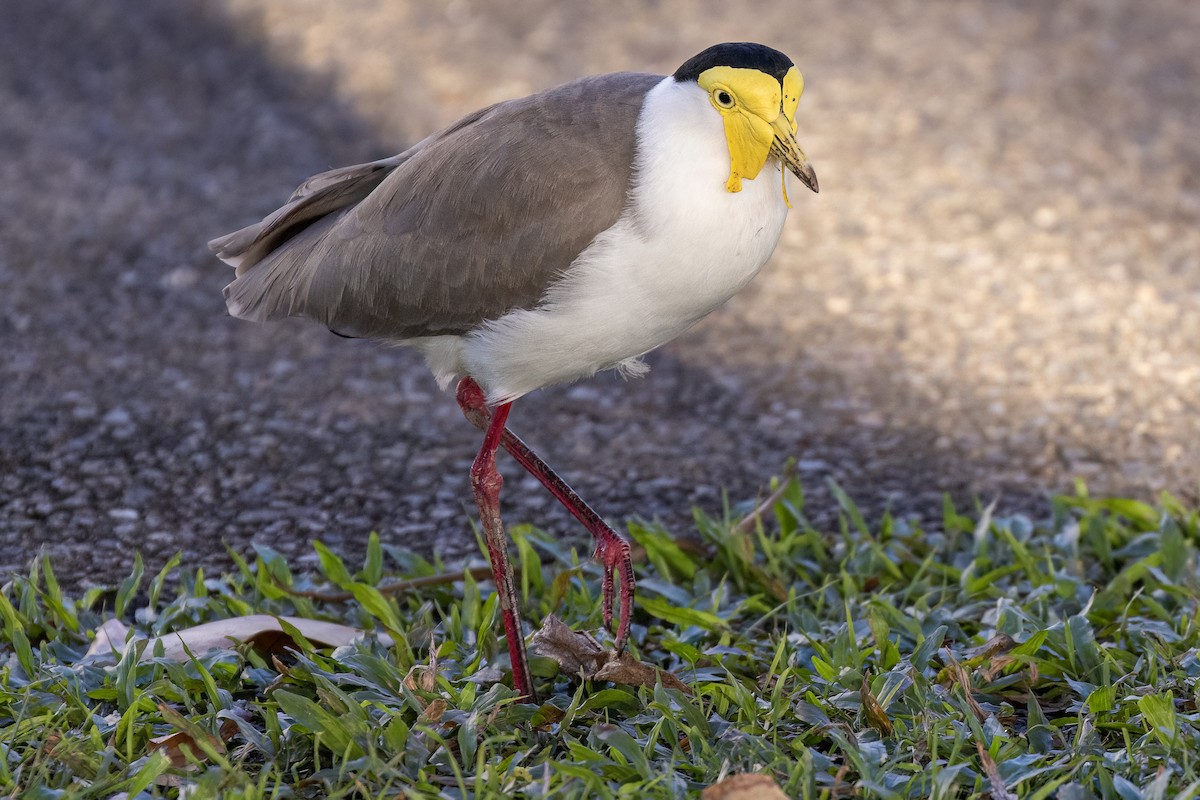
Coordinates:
[760,121]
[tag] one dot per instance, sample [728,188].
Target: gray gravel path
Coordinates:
[995,292]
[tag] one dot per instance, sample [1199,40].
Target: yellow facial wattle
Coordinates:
[750,103]
[793,87]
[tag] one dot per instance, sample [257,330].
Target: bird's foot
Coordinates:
[612,551]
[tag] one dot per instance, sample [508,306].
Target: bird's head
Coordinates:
[755,89]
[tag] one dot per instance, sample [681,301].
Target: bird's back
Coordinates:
[475,221]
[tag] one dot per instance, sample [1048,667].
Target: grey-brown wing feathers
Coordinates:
[472,222]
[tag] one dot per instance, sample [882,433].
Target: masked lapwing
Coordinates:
[538,241]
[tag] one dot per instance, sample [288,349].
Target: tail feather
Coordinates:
[318,197]
[280,283]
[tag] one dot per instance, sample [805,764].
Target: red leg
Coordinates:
[486,482]
[612,549]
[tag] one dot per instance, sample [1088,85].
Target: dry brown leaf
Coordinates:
[424,677]
[995,782]
[955,673]
[69,752]
[964,683]
[546,717]
[574,652]
[260,630]
[877,717]
[627,670]
[994,667]
[750,786]
[580,654]
[433,712]
[999,664]
[180,747]
[997,645]
[840,788]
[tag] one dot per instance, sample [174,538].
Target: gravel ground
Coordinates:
[995,292]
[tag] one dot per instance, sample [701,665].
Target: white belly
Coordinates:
[684,246]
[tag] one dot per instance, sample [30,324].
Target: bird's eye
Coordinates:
[723,98]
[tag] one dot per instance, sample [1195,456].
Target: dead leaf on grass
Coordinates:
[877,717]
[995,782]
[110,639]
[749,786]
[263,631]
[999,665]
[627,670]
[73,752]
[997,645]
[433,712]
[181,746]
[956,674]
[546,717]
[424,677]
[574,652]
[580,654]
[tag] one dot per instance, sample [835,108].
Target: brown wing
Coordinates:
[472,222]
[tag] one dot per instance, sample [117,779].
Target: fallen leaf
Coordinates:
[627,670]
[839,788]
[580,654]
[575,652]
[71,751]
[877,717]
[110,638]
[995,782]
[750,786]
[955,673]
[433,712]
[999,665]
[997,645]
[547,716]
[263,631]
[423,677]
[181,746]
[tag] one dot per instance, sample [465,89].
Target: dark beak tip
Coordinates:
[808,177]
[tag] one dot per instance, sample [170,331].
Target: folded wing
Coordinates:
[472,222]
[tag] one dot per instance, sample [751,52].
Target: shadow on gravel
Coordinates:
[130,133]
[137,415]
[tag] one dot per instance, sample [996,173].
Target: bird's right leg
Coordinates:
[612,549]
[486,482]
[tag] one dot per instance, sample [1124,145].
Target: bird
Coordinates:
[538,241]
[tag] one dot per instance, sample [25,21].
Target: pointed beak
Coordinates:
[786,149]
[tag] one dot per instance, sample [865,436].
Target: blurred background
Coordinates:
[995,293]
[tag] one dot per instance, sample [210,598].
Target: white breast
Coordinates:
[684,246]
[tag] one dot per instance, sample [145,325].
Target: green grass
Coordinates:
[982,655]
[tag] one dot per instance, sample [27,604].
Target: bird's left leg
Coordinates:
[486,482]
[612,548]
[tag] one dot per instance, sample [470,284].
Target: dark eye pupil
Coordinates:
[723,98]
